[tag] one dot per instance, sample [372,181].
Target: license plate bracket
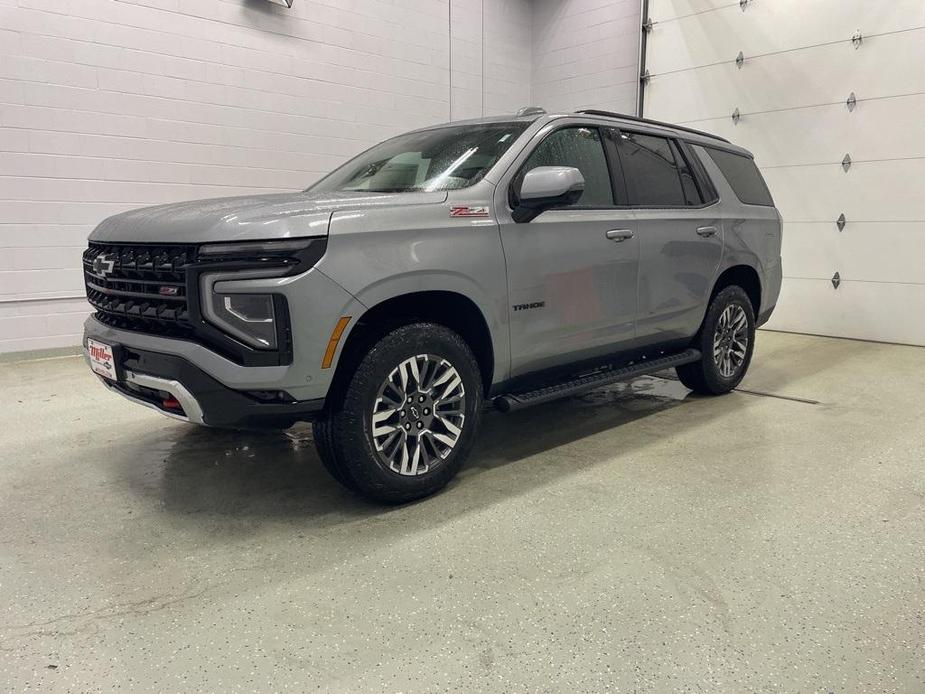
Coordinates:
[105,359]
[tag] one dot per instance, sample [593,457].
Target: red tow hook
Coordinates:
[171,404]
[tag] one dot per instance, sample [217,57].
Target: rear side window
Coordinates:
[743,176]
[656,174]
[583,149]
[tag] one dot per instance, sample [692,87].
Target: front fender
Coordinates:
[382,254]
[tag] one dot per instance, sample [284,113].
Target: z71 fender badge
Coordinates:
[463,211]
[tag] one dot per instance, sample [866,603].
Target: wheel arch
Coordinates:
[451,309]
[744,276]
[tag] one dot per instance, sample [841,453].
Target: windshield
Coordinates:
[430,160]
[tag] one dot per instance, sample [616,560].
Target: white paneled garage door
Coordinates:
[791,90]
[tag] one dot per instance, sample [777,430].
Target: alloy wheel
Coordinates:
[730,341]
[418,414]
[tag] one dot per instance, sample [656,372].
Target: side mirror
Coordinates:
[546,187]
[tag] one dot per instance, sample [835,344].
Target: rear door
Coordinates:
[680,234]
[572,272]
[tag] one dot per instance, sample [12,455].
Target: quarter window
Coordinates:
[743,176]
[583,149]
[655,172]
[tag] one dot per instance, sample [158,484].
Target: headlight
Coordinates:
[252,318]
[298,254]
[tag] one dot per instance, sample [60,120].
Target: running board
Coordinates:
[518,401]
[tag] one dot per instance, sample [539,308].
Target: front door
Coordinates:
[572,272]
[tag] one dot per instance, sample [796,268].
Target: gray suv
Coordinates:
[510,260]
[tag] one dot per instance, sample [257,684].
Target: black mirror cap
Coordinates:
[528,210]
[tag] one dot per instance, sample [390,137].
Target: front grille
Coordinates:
[140,286]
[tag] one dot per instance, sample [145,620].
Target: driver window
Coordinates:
[583,149]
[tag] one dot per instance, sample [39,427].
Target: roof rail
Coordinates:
[637,119]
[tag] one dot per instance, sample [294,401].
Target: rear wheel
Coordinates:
[408,416]
[726,341]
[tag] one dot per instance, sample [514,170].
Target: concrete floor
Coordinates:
[637,539]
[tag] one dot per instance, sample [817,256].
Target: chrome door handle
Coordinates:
[706,232]
[618,235]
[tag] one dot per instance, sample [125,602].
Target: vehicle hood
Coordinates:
[256,217]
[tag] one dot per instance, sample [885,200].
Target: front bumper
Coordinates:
[175,387]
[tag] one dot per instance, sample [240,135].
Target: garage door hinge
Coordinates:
[841,221]
[856,39]
[645,77]
[846,163]
[836,280]
[736,116]
[647,25]
[743,4]
[851,102]
[740,59]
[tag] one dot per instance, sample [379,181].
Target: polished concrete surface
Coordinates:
[637,539]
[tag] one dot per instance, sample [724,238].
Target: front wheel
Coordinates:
[408,417]
[726,341]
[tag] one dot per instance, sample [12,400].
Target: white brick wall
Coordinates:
[586,54]
[491,55]
[107,105]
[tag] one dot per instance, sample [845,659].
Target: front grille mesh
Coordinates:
[140,286]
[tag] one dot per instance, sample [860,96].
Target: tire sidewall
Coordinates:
[354,423]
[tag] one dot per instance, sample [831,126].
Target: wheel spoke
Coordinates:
[415,372]
[391,395]
[412,465]
[454,430]
[428,449]
[403,376]
[447,374]
[448,441]
[455,383]
[740,321]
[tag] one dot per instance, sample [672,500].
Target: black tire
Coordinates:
[344,437]
[321,429]
[705,376]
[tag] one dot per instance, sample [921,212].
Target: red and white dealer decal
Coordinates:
[101,359]
[463,211]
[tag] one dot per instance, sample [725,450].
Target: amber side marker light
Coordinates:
[332,343]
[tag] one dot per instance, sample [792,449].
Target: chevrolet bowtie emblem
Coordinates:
[103,266]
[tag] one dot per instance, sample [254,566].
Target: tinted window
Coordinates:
[583,149]
[653,174]
[743,176]
[428,160]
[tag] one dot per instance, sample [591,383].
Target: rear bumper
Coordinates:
[770,291]
[175,387]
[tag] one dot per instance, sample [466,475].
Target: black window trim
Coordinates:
[678,144]
[708,192]
[517,178]
[615,169]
